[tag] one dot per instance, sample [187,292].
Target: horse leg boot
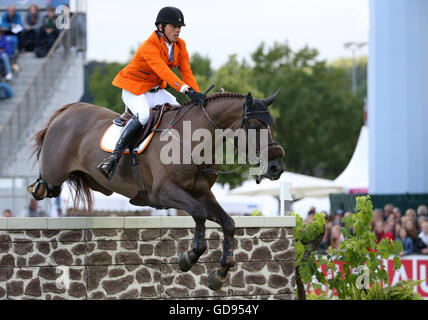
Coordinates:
[40,189]
[199,246]
[108,166]
[218,215]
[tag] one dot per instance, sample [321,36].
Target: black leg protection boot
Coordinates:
[128,134]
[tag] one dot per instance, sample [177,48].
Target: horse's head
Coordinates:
[256,116]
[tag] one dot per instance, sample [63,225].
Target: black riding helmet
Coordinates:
[170,15]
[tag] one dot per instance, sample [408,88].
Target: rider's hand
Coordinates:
[196,96]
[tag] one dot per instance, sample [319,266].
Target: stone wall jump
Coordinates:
[137,258]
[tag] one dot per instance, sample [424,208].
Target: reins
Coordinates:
[244,122]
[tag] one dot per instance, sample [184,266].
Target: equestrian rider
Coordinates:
[144,79]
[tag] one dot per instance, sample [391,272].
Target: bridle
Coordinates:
[246,116]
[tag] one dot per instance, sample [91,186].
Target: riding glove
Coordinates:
[196,96]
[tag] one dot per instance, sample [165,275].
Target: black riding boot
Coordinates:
[108,167]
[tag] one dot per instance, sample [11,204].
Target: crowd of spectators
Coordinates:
[33,31]
[411,229]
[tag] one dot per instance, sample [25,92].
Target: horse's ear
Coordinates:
[249,100]
[268,101]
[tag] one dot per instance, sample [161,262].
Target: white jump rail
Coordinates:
[68,223]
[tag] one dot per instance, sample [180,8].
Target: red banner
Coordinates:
[414,267]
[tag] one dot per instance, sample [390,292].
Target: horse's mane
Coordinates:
[219,95]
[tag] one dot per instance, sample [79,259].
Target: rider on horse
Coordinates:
[144,79]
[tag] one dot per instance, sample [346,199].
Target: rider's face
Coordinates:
[172,32]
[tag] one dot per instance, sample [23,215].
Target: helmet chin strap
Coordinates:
[163,32]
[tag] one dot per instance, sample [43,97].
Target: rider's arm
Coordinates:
[184,66]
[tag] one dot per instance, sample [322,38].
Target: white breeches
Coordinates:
[142,104]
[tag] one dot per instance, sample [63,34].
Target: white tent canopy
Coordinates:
[355,178]
[301,186]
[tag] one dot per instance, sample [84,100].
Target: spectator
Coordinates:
[5,55]
[338,217]
[397,214]
[56,210]
[422,240]
[404,219]
[310,215]
[422,210]
[406,241]
[7,213]
[48,31]
[33,208]
[421,219]
[387,210]
[378,230]
[12,25]
[388,231]
[32,24]
[377,216]
[397,229]
[411,229]
[391,219]
[325,242]
[336,237]
[411,213]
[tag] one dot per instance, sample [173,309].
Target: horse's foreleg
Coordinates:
[217,214]
[199,246]
[174,197]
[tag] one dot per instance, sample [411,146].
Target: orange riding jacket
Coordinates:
[151,66]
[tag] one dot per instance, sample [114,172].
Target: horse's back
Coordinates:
[70,136]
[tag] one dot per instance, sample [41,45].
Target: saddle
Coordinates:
[142,140]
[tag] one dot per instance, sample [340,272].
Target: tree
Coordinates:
[103,92]
[319,118]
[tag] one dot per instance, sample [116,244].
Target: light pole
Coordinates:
[353,46]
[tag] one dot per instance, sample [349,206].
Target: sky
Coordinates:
[217,29]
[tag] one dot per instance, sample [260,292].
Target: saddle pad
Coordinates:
[112,134]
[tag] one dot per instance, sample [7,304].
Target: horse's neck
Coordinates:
[226,113]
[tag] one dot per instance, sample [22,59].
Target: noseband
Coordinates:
[260,115]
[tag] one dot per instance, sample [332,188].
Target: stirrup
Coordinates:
[109,175]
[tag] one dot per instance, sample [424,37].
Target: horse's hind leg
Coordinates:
[174,197]
[216,213]
[53,171]
[40,189]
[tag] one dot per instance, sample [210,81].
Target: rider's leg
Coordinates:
[160,97]
[141,110]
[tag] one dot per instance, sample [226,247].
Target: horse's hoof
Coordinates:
[184,262]
[215,281]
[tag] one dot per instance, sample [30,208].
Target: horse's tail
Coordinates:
[39,137]
[76,180]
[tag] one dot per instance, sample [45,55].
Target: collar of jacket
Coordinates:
[164,46]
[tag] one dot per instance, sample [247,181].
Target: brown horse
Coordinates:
[68,151]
